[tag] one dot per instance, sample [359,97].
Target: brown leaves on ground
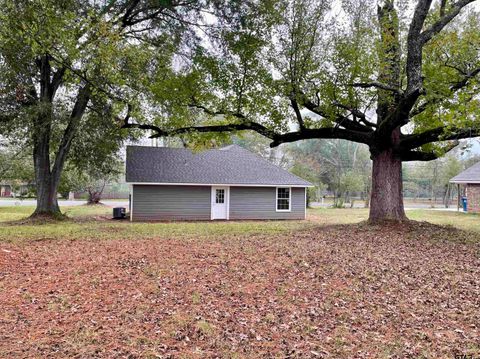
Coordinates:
[354,291]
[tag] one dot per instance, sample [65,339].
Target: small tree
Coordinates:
[349,182]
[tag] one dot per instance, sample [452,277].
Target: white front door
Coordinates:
[220,199]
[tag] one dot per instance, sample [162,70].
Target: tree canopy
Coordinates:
[398,76]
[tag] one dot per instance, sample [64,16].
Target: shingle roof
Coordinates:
[229,165]
[470,175]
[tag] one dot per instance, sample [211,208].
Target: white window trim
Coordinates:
[289,199]
[131,203]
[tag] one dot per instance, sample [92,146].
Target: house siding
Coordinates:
[473,198]
[260,203]
[170,202]
[155,203]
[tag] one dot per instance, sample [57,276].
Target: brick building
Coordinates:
[468,183]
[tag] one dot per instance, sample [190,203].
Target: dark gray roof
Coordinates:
[229,165]
[470,175]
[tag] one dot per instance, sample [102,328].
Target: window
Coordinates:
[220,196]
[283,199]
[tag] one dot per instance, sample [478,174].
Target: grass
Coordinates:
[93,222]
[465,221]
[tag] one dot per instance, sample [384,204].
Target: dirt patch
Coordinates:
[345,291]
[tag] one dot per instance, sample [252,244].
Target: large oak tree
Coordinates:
[401,78]
[68,66]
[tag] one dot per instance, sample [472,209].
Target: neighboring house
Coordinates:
[8,190]
[470,180]
[5,190]
[230,183]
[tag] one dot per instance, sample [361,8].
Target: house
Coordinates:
[470,180]
[10,190]
[230,183]
[5,190]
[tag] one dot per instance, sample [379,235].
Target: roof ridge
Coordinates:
[160,147]
[271,163]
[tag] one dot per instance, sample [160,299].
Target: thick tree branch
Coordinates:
[246,125]
[412,155]
[333,132]
[414,49]
[76,115]
[298,114]
[413,71]
[277,138]
[57,79]
[419,156]
[442,133]
[444,20]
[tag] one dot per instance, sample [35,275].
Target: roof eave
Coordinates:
[221,184]
[464,181]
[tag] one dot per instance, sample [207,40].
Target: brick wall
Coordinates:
[473,197]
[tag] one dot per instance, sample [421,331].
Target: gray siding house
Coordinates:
[230,183]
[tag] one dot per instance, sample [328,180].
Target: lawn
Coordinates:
[328,287]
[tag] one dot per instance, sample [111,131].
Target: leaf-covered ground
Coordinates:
[336,291]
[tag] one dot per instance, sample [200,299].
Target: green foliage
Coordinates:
[351,182]
[15,165]
[283,52]
[341,167]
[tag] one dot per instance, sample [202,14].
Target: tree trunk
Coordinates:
[47,177]
[447,196]
[46,183]
[386,202]
[47,203]
[94,197]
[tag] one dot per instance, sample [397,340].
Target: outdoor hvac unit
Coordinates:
[119,213]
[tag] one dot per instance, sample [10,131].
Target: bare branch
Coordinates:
[339,119]
[462,83]
[356,113]
[376,84]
